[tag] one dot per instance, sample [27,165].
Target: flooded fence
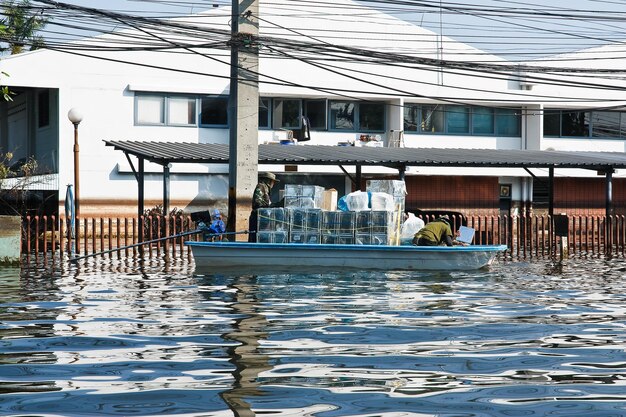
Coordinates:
[163,236]
[525,236]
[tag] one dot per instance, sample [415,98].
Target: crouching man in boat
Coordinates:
[261,199]
[436,233]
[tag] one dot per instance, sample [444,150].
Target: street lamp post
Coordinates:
[76,117]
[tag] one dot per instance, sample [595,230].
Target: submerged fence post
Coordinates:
[561,228]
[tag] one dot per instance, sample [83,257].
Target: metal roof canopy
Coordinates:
[165,153]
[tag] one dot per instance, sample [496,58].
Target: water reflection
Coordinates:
[248,331]
[126,338]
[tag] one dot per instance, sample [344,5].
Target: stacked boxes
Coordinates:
[303,220]
[304,196]
[272,225]
[397,189]
[374,227]
[304,225]
[338,227]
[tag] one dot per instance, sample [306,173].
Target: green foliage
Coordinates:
[4,90]
[23,172]
[19,27]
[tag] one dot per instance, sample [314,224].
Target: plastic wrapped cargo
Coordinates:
[410,227]
[272,220]
[396,188]
[382,202]
[303,196]
[304,237]
[303,219]
[271,237]
[357,201]
[338,222]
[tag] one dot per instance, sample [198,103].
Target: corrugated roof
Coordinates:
[186,152]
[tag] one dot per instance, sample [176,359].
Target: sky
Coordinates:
[515,30]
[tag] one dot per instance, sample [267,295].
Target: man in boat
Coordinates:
[436,233]
[260,199]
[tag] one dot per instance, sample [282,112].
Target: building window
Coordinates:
[287,113]
[457,119]
[372,117]
[356,116]
[483,121]
[575,123]
[43,108]
[584,124]
[461,120]
[315,111]
[181,111]
[432,119]
[508,122]
[411,118]
[214,111]
[149,110]
[551,123]
[342,115]
[606,124]
[264,113]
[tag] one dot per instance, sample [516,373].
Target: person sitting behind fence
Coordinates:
[435,233]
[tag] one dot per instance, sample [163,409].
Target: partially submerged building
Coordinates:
[371,81]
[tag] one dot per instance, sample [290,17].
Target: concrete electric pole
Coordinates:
[243,113]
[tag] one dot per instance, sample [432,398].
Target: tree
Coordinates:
[21,23]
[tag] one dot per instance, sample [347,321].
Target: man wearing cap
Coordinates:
[260,199]
[435,233]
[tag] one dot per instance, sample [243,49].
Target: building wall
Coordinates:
[469,195]
[587,196]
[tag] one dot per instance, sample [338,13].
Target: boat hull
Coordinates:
[214,255]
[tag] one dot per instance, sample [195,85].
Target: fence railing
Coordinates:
[117,237]
[526,236]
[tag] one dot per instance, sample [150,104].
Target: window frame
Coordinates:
[138,98]
[190,98]
[43,109]
[360,116]
[324,113]
[268,117]
[279,124]
[476,113]
[443,111]
[213,125]
[591,121]
[356,116]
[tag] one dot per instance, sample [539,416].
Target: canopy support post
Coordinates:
[166,189]
[140,202]
[551,192]
[609,192]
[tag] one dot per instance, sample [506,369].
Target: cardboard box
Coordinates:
[329,200]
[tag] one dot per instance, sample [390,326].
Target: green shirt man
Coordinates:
[435,233]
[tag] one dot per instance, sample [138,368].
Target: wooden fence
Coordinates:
[114,237]
[525,236]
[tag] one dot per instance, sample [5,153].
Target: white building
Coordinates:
[361,72]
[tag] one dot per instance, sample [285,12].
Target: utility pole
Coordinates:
[243,109]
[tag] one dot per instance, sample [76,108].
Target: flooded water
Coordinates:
[110,338]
